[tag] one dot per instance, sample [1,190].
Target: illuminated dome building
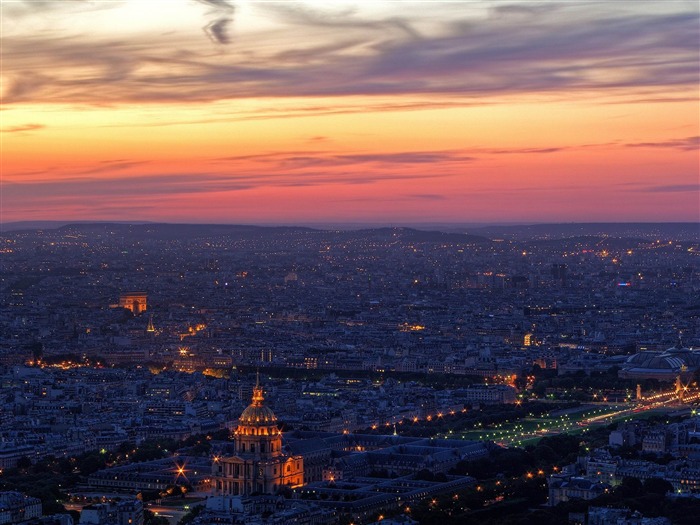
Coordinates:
[664,366]
[259,464]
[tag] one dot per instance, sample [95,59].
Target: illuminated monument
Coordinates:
[259,464]
[134,301]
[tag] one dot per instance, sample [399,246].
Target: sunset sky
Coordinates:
[383,112]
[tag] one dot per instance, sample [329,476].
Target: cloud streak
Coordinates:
[107,180]
[673,188]
[286,160]
[685,144]
[566,48]
[23,128]
[218,29]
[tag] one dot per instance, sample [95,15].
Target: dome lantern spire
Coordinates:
[258,397]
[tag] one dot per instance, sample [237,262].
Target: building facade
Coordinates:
[136,302]
[16,507]
[259,465]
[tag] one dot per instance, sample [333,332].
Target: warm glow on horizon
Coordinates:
[309,112]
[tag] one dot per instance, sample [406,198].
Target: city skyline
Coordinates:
[349,376]
[308,112]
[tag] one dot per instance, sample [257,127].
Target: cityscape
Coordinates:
[401,262]
[296,375]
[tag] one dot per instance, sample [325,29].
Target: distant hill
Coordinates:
[51,225]
[431,233]
[416,235]
[183,232]
[689,231]
[193,231]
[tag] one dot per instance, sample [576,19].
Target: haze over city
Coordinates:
[381,112]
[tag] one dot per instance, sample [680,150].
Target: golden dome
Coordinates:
[257,414]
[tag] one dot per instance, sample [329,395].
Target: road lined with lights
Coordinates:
[518,435]
[530,427]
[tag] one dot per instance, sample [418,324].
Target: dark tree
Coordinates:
[657,486]
[24,463]
[629,488]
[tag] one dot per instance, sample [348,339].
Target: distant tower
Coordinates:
[150,328]
[559,273]
[133,301]
[639,392]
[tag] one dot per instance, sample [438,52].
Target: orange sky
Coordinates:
[263,112]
